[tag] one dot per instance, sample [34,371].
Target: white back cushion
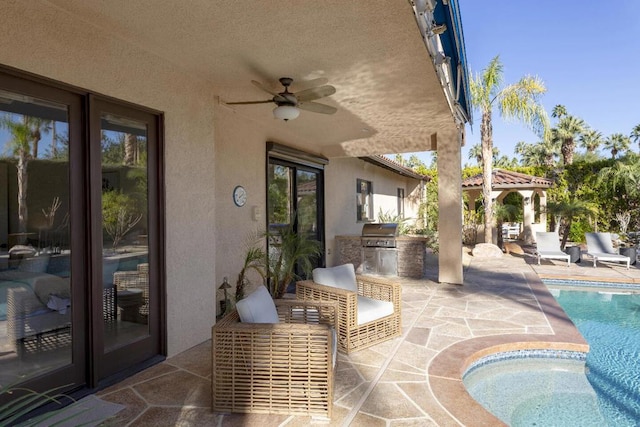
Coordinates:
[258,307]
[341,276]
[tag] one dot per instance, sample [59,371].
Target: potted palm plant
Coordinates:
[255,259]
[291,256]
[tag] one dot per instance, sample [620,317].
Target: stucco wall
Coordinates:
[38,38]
[340,197]
[240,160]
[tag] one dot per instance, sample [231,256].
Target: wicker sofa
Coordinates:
[355,293]
[277,368]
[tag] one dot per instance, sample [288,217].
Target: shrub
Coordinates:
[578,230]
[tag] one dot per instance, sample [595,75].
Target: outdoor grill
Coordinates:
[379,253]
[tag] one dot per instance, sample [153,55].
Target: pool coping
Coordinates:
[445,371]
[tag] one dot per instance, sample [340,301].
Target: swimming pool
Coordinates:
[610,322]
[526,390]
[535,388]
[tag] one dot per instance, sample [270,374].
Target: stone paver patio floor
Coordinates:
[413,380]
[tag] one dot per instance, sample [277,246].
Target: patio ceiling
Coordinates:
[389,97]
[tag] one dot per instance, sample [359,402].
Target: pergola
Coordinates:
[505,182]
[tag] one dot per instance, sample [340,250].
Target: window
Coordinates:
[400,202]
[364,200]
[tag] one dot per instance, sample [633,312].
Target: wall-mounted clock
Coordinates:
[239,196]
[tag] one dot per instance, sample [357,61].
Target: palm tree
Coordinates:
[568,210]
[475,152]
[568,128]
[527,153]
[289,253]
[616,143]
[623,175]
[591,140]
[25,136]
[559,111]
[635,134]
[505,162]
[548,151]
[515,101]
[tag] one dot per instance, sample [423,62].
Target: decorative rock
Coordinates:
[486,250]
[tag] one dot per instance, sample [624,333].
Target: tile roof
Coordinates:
[393,166]
[508,179]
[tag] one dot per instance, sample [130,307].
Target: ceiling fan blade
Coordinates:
[248,102]
[315,93]
[317,107]
[264,88]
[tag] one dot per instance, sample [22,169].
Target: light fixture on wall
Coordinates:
[286,112]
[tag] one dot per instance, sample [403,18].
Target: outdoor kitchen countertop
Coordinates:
[403,237]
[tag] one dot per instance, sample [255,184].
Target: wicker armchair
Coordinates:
[138,279]
[276,368]
[355,331]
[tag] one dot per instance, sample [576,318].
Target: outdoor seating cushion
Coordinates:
[372,309]
[258,307]
[341,276]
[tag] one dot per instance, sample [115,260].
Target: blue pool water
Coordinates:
[542,388]
[610,322]
[535,388]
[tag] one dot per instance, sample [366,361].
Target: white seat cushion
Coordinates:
[258,307]
[372,309]
[341,276]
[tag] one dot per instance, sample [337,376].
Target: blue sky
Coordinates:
[586,52]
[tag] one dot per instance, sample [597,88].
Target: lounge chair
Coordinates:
[368,307]
[600,248]
[548,247]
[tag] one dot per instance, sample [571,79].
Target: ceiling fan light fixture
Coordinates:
[286,112]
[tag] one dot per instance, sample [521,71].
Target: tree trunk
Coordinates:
[21,166]
[130,141]
[500,238]
[567,149]
[486,136]
[565,235]
[54,144]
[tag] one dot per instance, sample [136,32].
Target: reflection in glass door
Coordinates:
[125,263]
[37,332]
[124,185]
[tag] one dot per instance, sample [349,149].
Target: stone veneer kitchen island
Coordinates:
[411,253]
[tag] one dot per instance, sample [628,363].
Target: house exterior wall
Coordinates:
[240,160]
[208,151]
[41,39]
[341,175]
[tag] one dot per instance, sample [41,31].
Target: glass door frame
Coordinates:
[298,161]
[109,363]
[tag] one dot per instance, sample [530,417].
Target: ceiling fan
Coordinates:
[289,104]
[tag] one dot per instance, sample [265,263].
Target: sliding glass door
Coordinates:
[125,192]
[295,199]
[80,236]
